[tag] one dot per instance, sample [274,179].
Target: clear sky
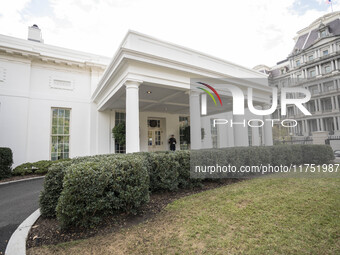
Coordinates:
[246,32]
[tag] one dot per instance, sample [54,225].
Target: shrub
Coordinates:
[39,167]
[83,190]
[53,186]
[317,154]
[184,180]
[163,170]
[6,161]
[93,190]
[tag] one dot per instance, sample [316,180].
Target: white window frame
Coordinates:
[51,134]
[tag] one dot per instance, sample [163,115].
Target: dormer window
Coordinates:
[323,31]
[325,52]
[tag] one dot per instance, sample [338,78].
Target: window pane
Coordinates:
[66,130]
[54,113]
[60,130]
[61,121]
[67,114]
[61,113]
[54,130]
[60,139]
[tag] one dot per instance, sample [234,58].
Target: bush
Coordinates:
[317,154]
[6,161]
[39,167]
[184,180]
[93,190]
[83,190]
[163,171]
[53,185]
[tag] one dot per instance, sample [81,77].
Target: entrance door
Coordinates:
[155,135]
[155,142]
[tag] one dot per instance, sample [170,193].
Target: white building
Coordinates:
[59,103]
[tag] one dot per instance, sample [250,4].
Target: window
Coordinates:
[289,95]
[60,134]
[327,69]
[282,71]
[213,133]
[312,73]
[298,77]
[250,136]
[326,104]
[119,118]
[314,89]
[297,62]
[311,106]
[260,135]
[184,132]
[290,111]
[310,57]
[328,86]
[323,33]
[325,52]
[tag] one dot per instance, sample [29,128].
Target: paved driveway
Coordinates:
[17,201]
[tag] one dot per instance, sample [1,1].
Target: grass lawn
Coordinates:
[259,216]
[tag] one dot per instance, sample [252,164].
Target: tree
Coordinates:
[119,134]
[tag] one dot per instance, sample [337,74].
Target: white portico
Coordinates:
[149,81]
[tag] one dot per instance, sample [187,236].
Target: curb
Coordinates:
[17,243]
[21,180]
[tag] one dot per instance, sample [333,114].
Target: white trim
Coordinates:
[17,243]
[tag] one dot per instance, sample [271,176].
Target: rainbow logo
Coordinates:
[208,92]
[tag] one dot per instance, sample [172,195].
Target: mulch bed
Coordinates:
[16,178]
[46,231]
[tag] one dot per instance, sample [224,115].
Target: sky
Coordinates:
[247,32]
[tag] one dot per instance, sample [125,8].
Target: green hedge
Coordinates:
[84,190]
[53,185]
[6,161]
[39,167]
[93,190]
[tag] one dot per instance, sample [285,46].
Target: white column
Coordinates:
[195,120]
[332,102]
[256,135]
[335,124]
[322,125]
[268,131]
[132,116]
[240,128]
[336,64]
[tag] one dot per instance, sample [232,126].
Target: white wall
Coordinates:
[26,99]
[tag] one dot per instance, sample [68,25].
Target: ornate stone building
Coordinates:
[312,64]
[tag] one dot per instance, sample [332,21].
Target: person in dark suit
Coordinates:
[172,142]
